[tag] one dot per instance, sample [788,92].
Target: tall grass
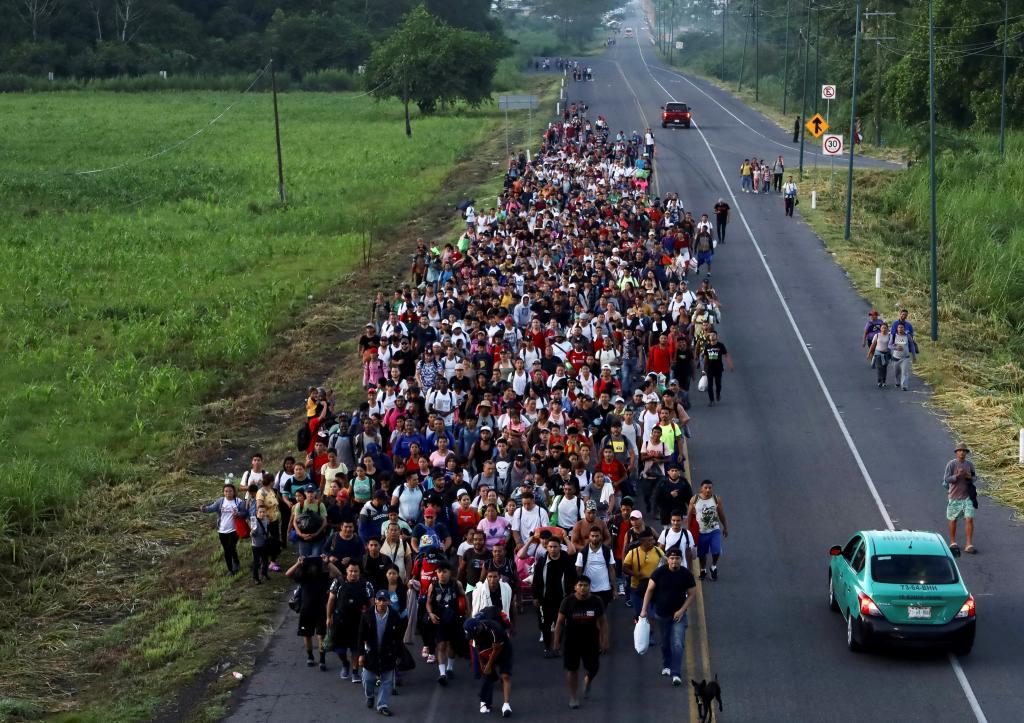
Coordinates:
[129,297]
[320,80]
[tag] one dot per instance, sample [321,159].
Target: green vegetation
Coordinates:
[97,39]
[977,366]
[893,80]
[133,295]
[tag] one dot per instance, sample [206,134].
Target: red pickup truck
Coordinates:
[675,114]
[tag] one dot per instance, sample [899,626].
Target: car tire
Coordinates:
[687,125]
[663,125]
[852,644]
[963,646]
[833,604]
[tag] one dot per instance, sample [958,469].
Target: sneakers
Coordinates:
[676,681]
[666,672]
[385,711]
[323,667]
[310,663]
[424,652]
[357,679]
[274,567]
[346,672]
[629,603]
[547,653]
[369,702]
[574,704]
[506,710]
[714,572]
[484,708]
[442,679]
[703,575]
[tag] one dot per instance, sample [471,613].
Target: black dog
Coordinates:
[706,692]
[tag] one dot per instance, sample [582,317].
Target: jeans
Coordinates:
[312,548]
[746,183]
[881,362]
[383,693]
[229,541]
[714,384]
[260,562]
[722,223]
[627,372]
[636,597]
[673,643]
[778,182]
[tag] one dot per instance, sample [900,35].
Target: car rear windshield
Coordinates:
[676,107]
[913,570]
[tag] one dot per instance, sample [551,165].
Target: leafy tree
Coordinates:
[427,62]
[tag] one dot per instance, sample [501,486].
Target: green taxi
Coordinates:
[900,586]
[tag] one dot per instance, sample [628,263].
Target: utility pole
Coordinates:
[817,51]
[757,56]
[277,133]
[931,167]
[743,57]
[805,33]
[1002,95]
[785,72]
[853,121]
[725,10]
[878,73]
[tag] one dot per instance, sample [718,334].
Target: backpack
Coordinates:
[308,522]
[604,548]
[303,437]
[553,510]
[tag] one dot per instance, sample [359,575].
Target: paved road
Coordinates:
[784,448]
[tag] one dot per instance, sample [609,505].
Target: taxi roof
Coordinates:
[892,542]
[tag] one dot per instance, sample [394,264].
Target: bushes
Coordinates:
[321,80]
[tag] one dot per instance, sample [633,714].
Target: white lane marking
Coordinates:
[965,685]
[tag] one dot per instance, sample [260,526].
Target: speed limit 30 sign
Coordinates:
[828,92]
[832,145]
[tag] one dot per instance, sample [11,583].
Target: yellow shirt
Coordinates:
[669,434]
[643,564]
[269,499]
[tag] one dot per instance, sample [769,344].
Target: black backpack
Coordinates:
[604,548]
[303,437]
[308,522]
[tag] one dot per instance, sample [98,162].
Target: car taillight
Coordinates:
[967,609]
[867,606]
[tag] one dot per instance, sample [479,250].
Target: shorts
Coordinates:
[955,509]
[449,631]
[710,542]
[704,257]
[605,596]
[503,666]
[313,623]
[588,655]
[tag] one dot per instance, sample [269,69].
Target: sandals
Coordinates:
[971,550]
[955,549]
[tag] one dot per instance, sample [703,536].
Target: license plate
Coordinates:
[915,613]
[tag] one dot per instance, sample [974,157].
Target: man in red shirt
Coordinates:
[612,468]
[660,358]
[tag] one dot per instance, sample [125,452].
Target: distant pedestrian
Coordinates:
[789,196]
[583,626]
[716,356]
[961,498]
[871,328]
[879,354]
[670,589]
[902,350]
[229,508]
[777,170]
[722,218]
[746,176]
[707,509]
[493,647]
[313,575]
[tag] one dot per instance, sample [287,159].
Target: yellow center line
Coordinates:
[698,630]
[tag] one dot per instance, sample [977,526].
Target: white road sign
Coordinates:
[828,92]
[832,145]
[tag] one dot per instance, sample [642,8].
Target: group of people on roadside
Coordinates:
[521,449]
[890,344]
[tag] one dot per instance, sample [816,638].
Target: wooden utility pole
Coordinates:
[277,133]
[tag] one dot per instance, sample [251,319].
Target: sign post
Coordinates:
[832,146]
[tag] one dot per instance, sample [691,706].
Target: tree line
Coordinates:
[769,44]
[105,38]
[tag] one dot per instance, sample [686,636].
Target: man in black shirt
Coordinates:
[715,358]
[494,650]
[584,627]
[722,217]
[554,577]
[670,591]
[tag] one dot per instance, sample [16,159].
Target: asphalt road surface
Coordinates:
[804,449]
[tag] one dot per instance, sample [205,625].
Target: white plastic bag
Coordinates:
[642,636]
[702,385]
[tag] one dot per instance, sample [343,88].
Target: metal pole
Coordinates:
[931,164]
[785,72]
[853,120]
[277,134]
[803,106]
[1002,96]
[878,93]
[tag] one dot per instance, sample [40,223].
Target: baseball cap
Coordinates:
[590,505]
[636,515]
[383,594]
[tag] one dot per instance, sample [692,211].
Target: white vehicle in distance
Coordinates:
[628,32]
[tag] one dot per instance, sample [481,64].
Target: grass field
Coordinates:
[977,366]
[131,295]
